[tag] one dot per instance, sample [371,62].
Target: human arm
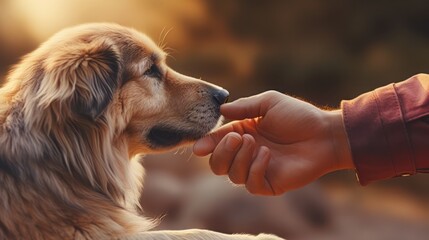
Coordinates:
[385,132]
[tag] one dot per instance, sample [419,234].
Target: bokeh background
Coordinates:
[322,51]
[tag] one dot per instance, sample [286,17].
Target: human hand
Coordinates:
[277,143]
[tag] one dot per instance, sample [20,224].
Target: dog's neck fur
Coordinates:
[49,164]
[90,150]
[39,129]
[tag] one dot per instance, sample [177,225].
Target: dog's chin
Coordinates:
[165,136]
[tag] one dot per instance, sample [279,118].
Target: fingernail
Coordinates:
[198,143]
[232,143]
[200,147]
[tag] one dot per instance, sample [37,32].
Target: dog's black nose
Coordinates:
[221,96]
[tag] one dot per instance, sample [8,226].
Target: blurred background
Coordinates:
[321,51]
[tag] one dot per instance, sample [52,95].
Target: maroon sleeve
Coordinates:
[388,130]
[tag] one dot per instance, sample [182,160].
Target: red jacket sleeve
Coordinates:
[388,130]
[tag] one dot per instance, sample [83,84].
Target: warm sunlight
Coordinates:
[320,51]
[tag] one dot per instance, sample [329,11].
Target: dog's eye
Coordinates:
[153,71]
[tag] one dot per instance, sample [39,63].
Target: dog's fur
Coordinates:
[75,116]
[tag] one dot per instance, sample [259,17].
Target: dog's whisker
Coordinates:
[170,49]
[160,36]
[190,157]
[163,43]
[171,56]
[180,151]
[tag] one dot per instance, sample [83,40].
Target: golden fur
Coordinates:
[75,116]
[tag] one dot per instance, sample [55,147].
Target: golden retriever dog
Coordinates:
[75,116]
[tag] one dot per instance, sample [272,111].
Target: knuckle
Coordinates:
[252,189]
[276,193]
[253,173]
[248,141]
[272,93]
[421,75]
[273,96]
[218,171]
[216,168]
[235,178]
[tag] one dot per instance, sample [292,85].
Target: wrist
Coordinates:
[340,142]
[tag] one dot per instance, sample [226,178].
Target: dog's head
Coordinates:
[116,78]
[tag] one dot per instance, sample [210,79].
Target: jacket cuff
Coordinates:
[377,135]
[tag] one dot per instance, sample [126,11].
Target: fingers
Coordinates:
[224,153]
[251,107]
[256,181]
[235,156]
[243,159]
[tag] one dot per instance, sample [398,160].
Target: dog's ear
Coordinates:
[82,75]
[96,73]
[98,79]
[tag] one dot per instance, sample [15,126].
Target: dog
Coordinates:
[76,114]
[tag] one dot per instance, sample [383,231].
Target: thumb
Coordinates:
[251,107]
